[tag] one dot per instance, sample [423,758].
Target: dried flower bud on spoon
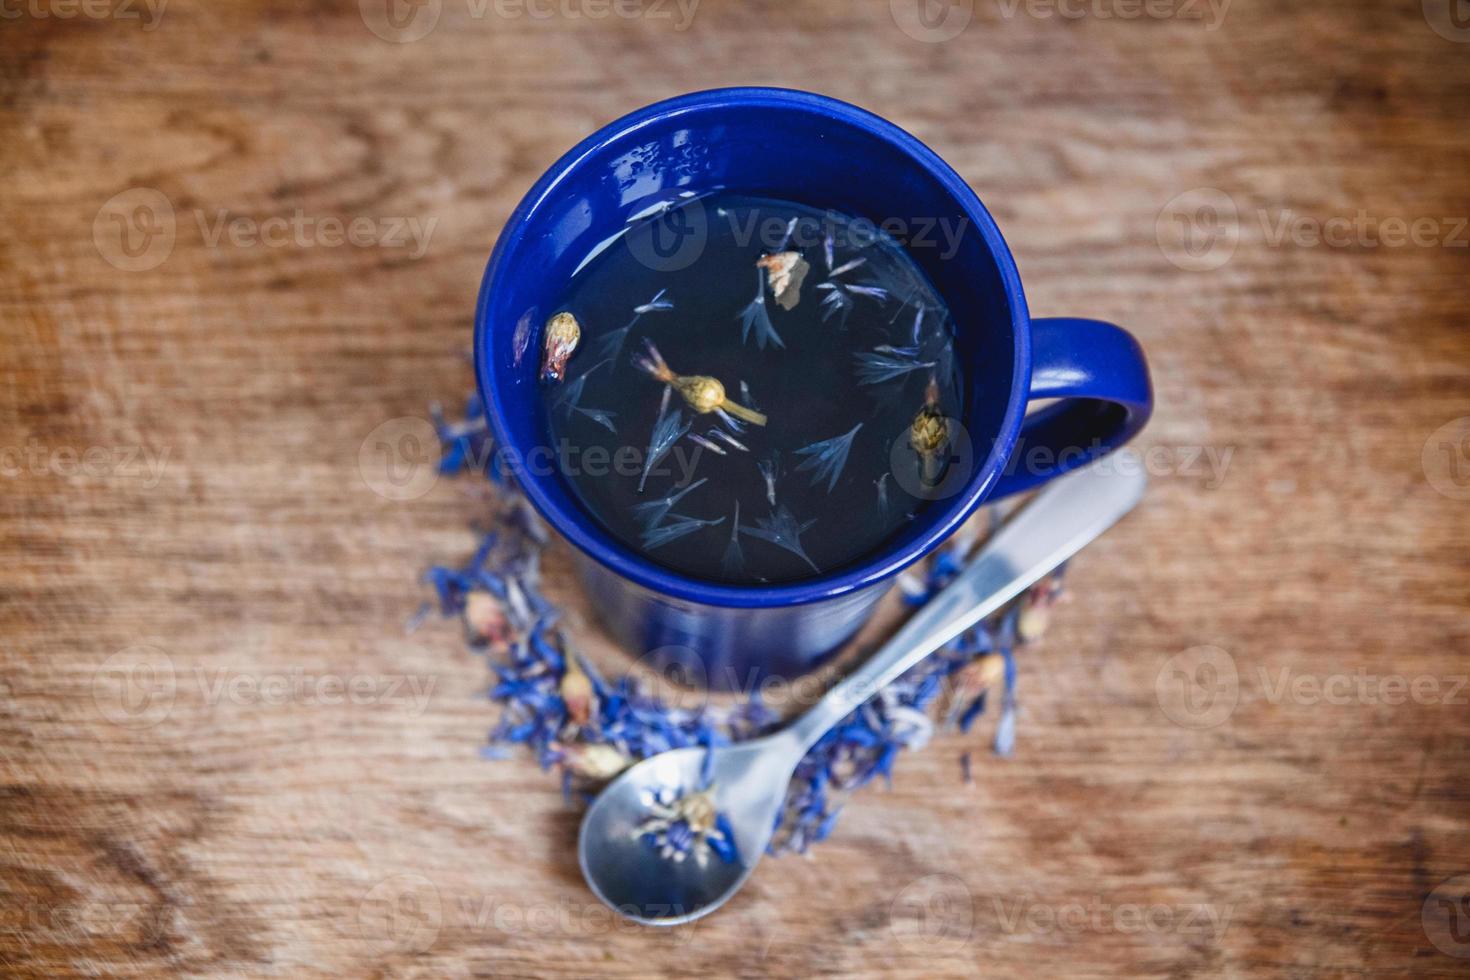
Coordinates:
[563,333]
[701,392]
[785,272]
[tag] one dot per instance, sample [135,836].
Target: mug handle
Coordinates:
[1099,372]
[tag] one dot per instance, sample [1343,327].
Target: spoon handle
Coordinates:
[1063,518]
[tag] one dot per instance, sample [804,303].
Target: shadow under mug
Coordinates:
[827,154]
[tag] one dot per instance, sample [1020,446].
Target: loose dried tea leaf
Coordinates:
[569,401]
[666,432]
[701,392]
[770,469]
[610,345]
[572,394]
[651,512]
[725,437]
[755,318]
[837,301]
[677,527]
[827,458]
[730,421]
[656,305]
[563,333]
[700,440]
[790,230]
[733,563]
[601,417]
[886,363]
[785,271]
[781,529]
[869,290]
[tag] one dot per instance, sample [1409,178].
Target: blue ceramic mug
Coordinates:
[830,155]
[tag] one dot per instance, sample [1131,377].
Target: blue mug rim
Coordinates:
[573,523]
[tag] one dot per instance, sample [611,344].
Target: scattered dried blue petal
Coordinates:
[827,458]
[756,319]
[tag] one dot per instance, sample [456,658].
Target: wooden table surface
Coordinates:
[1245,744]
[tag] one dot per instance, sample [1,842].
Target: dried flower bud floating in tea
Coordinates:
[562,335]
[929,435]
[785,272]
[702,393]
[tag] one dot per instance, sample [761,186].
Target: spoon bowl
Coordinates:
[630,877]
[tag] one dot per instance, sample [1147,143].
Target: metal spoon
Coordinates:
[751,778]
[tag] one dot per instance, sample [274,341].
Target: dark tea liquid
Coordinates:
[837,339]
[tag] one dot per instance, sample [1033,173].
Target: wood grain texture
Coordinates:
[221,520]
